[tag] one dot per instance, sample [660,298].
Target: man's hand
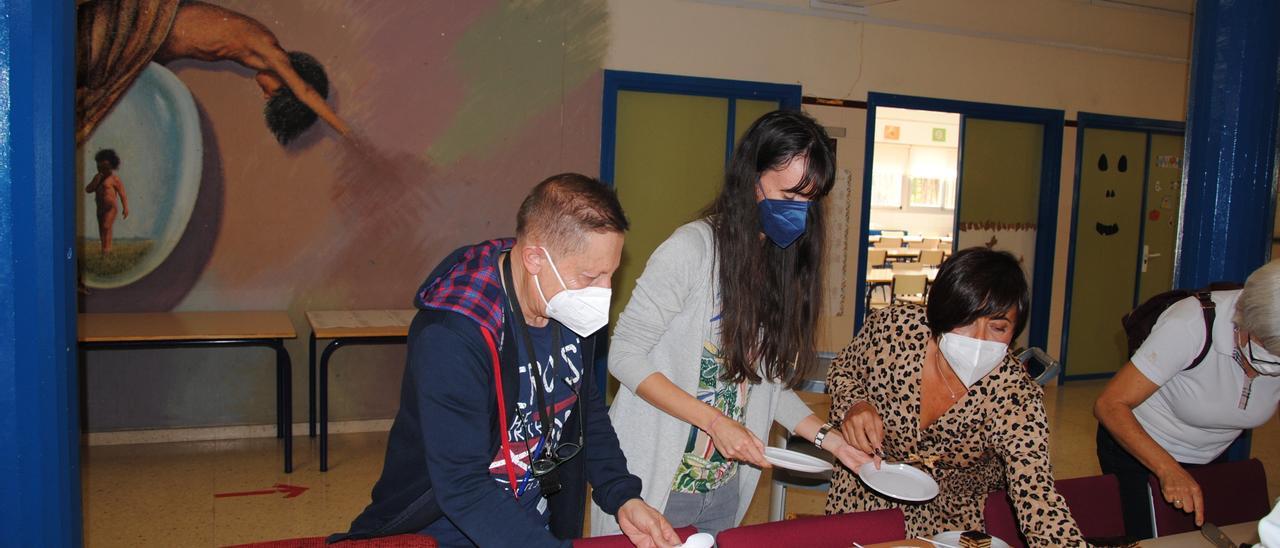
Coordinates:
[645,526]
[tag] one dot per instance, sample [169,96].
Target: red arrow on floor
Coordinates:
[289,490]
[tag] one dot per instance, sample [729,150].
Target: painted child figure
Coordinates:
[105,186]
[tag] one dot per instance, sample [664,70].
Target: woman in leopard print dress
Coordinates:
[938,383]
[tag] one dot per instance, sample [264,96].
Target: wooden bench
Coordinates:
[202,329]
[345,328]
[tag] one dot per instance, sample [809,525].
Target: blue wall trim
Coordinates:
[1128,123]
[1088,120]
[39,395]
[787,95]
[1047,214]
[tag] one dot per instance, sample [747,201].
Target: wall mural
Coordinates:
[321,153]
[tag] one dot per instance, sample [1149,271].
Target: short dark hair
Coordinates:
[977,283]
[109,155]
[563,208]
[287,116]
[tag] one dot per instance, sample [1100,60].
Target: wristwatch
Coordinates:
[822,434]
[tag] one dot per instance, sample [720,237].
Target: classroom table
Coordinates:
[903,254]
[346,328]
[1240,533]
[908,239]
[115,331]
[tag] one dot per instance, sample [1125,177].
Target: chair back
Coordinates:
[931,257]
[917,245]
[893,233]
[1000,521]
[621,541]
[932,243]
[836,531]
[876,257]
[887,242]
[906,268]
[1234,492]
[1094,503]
[908,284]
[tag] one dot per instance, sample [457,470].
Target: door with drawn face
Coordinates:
[1117,175]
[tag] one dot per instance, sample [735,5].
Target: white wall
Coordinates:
[929,224]
[1060,54]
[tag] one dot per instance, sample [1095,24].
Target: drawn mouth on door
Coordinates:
[1123,166]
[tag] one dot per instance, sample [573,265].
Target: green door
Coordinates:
[1160,222]
[670,156]
[1000,175]
[1107,224]
[669,162]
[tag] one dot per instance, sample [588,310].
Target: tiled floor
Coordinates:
[163,494]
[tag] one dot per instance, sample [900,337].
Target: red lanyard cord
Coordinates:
[502,410]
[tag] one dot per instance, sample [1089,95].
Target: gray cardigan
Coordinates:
[662,330]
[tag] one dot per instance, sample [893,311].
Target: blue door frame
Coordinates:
[39,395]
[787,95]
[1088,120]
[1046,216]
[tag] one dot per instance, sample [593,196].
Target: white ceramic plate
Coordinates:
[792,460]
[953,538]
[900,481]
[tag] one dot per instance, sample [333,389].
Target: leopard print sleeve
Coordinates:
[846,378]
[1020,435]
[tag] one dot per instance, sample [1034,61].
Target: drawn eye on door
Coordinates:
[1102,162]
[1123,164]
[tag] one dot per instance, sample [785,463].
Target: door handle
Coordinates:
[1147,254]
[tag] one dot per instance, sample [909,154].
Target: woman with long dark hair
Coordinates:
[720,328]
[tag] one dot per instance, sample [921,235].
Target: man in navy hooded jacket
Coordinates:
[473,461]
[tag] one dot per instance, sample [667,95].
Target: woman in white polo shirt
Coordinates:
[1158,416]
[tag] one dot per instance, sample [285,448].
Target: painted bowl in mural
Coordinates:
[155,131]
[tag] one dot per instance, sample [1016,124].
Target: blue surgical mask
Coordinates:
[783,221]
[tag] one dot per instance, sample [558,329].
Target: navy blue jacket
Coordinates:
[446,432]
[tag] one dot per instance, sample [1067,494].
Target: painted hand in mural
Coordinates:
[294,83]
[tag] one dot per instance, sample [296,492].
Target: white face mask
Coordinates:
[971,358]
[584,310]
[1265,363]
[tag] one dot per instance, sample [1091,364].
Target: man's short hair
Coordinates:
[563,208]
[287,116]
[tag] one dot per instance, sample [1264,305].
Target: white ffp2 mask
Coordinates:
[584,310]
[971,358]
